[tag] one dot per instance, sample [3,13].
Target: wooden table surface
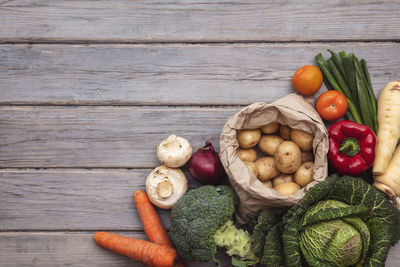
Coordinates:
[89,88]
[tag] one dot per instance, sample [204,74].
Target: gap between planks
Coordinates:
[187,42]
[70,231]
[120,104]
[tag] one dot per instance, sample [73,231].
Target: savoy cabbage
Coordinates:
[342,221]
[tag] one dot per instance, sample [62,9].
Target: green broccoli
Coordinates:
[201,222]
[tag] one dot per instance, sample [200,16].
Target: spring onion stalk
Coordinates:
[327,74]
[370,91]
[339,63]
[365,104]
[366,72]
[356,116]
[349,116]
[367,90]
[351,75]
[327,84]
[339,78]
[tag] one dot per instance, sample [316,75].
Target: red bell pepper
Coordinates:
[351,147]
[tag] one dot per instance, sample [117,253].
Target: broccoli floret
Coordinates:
[201,221]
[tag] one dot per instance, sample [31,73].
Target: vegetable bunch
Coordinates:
[349,75]
[342,221]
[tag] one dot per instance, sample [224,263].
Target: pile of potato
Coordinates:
[287,161]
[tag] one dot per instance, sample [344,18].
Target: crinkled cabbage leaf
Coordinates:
[342,221]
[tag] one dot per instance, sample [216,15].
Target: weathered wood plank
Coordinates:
[231,74]
[116,137]
[78,249]
[194,20]
[72,199]
[66,249]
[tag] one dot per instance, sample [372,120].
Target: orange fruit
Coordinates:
[331,105]
[307,80]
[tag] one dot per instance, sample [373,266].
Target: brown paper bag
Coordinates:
[292,110]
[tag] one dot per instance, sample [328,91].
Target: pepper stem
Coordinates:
[350,146]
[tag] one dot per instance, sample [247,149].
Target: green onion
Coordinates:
[339,78]
[327,84]
[370,91]
[365,103]
[351,75]
[325,70]
[339,63]
[349,116]
[342,54]
[354,112]
[366,73]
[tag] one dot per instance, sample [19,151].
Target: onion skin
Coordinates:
[205,165]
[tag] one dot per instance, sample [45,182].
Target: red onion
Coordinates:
[205,165]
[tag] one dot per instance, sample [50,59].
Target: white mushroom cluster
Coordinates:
[166,184]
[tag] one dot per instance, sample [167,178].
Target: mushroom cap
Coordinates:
[165,186]
[174,151]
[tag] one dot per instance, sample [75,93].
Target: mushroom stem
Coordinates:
[165,185]
[164,189]
[172,142]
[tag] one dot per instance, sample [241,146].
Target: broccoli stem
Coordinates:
[236,241]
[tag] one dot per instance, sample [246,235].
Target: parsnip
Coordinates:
[389,126]
[391,177]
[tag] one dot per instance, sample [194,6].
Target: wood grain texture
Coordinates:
[175,74]
[72,199]
[116,137]
[198,21]
[67,249]
[78,249]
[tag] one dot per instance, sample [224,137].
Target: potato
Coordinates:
[287,157]
[268,184]
[248,138]
[306,156]
[269,143]
[270,128]
[284,132]
[252,166]
[304,174]
[266,168]
[303,139]
[287,189]
[282,178]
[246,154]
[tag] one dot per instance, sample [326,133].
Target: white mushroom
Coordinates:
[174,151]
[165,186]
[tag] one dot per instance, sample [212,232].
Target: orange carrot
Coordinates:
[150,220]
[153,228]
[147,252]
